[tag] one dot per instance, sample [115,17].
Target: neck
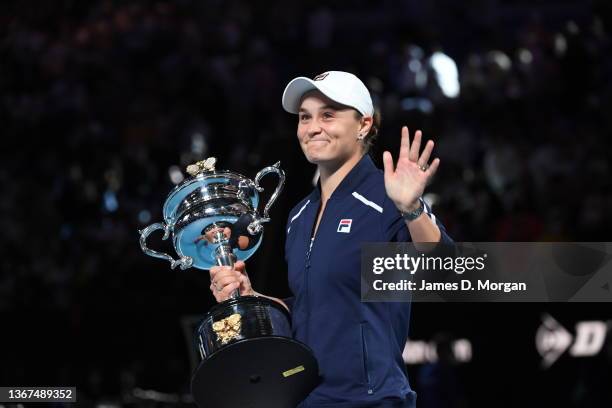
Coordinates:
[332,175]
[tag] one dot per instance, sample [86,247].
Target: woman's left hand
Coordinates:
[407,181]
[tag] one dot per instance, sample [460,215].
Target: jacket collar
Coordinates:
[355,176]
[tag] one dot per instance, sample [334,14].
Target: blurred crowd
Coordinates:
[104,103]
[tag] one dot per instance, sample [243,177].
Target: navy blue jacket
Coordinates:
[358,345]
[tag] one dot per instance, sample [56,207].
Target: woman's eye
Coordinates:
[328,115]
[303,118]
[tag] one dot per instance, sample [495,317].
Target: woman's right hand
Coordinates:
[224,281]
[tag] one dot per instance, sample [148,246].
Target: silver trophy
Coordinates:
[248,356]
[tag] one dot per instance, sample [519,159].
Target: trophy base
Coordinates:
[264,372]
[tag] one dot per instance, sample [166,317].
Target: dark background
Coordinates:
[101,102]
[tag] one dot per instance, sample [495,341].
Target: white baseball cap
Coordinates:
[342,87]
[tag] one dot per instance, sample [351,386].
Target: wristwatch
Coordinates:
[413,215]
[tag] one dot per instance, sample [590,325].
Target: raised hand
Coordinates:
[406,181]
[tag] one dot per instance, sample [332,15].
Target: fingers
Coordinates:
[433,168]
[226,277]
[245,286]
[225,280]
[229,289]
[240,266]
[415,147]
[411,150]
[424,159]
[404,143]
[221,282]
[220,276]
[223,287]
[388,164]
[225,293]
[219,271]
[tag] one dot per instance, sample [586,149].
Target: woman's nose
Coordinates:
[314,128]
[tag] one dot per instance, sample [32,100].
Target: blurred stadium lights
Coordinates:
[415,51]
[198,144]
[462,349]
[144,216]
[560,44]
[175,174]
[110,201]
[415,65]
[572,27]
[447,74]
[552,339]
[500,59]
[420,74]
[421,104]
[421,352]
[525,56]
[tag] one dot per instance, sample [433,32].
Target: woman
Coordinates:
[358,345]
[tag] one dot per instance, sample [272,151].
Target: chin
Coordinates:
[321,159]
[315,159]
[317,156]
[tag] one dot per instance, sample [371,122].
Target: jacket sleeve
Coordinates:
[444,237]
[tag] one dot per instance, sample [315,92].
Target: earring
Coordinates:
[360,137]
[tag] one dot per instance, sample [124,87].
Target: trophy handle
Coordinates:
[255,227]
[184,262]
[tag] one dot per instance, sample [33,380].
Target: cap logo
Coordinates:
[321,77]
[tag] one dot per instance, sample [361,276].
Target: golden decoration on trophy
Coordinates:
[227,329]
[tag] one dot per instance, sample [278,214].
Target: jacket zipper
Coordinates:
[307,288]
[307,271]
[364,350]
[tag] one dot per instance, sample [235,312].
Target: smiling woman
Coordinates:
[358,345]
[327,131]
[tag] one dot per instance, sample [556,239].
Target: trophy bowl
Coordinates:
[249,358]
[210,202]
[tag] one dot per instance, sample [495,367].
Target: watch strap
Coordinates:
[413,215]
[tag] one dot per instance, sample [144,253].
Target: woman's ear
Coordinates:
[365,124]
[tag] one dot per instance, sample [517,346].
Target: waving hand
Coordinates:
[406,181]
